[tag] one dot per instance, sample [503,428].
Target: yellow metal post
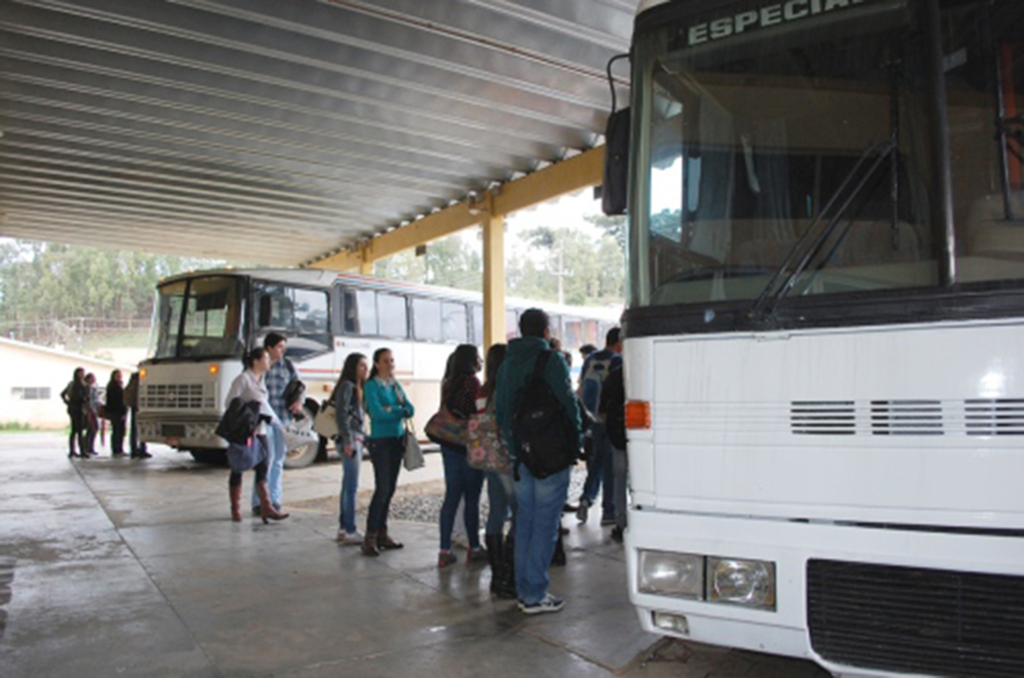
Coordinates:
[494,277]
[365,260]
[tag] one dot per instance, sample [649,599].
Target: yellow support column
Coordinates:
[494,277]
[365,262]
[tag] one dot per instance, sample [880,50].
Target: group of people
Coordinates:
[519,561]
[87,411]
[372,411]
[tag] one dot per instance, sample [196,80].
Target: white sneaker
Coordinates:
[548,603]
[349,538]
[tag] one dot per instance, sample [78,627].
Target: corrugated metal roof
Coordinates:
[277,131]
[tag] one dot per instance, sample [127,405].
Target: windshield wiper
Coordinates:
[810,244]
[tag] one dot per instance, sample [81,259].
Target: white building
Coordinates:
[33,377]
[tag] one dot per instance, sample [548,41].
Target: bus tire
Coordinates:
[212,456]
[321,450]
[302,456]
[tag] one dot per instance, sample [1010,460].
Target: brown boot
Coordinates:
[386,543]
[266,508]
[370,544]
[235,491]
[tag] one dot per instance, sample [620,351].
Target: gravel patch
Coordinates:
[418,502]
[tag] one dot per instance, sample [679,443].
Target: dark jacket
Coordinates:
[460,395]
[73,396]
[517,370]
[349,415]
[613,407]
[240,421]
[115,406]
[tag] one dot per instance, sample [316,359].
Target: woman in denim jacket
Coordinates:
[388,408]
[350,416]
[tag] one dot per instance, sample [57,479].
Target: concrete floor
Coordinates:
[113,567]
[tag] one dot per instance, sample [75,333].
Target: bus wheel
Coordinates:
[302,456]
[321,450]
[214,457]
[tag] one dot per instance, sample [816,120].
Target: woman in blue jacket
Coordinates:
[388,408]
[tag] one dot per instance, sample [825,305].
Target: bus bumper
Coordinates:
[195,432]
[791,546]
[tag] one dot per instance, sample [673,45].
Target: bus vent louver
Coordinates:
[176,397]
[999,417]
[823,417]
[906,418]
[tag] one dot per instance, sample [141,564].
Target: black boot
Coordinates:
[507,584]
[558,558]
[494,559]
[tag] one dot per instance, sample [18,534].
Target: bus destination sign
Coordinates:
[769,15]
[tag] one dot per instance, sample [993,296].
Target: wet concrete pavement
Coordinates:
[116,567]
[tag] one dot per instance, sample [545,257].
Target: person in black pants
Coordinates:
[131,401]
[73,396]
[116,412]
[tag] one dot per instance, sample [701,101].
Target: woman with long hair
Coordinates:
[249,387]
[91,414]
[501,495]
[350,416]
[116,411]
[73,396]
[388,407]
[462,482]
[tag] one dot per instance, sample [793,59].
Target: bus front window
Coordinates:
[753,146]
[211,326]
[167,321]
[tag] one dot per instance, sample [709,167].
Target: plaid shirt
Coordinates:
[276,380]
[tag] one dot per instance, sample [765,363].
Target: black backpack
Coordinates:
[547,439]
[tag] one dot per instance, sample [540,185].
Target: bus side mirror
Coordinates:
[265,311]
[616,163]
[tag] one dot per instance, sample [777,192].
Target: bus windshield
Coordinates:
[198,318]
[802,152]
[757,148]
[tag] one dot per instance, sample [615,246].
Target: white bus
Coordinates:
[204,321]
[824,344]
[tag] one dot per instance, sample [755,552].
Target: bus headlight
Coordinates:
[750,583]
[671,574]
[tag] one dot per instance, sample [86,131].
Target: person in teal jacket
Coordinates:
[539,500]
[388,408]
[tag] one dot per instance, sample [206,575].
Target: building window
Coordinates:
[30,392]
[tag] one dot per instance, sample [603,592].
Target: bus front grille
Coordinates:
[912,620]
[176,397]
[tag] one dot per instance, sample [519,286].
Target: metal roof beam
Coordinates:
[581,171]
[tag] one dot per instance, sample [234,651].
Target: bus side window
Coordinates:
[556,329]
[511,324]
[426,319]
[453,321]
[360,313]
[393,314]
[477,318]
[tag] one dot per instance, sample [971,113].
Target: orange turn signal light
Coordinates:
[214,369]
[638,414]
[143,372]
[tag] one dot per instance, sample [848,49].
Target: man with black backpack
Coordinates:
[540,420]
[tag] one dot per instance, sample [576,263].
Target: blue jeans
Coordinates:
[349,488]
[501,495]
[600,470]
[460,481]
[538,511]
[275,441]
[386,455]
